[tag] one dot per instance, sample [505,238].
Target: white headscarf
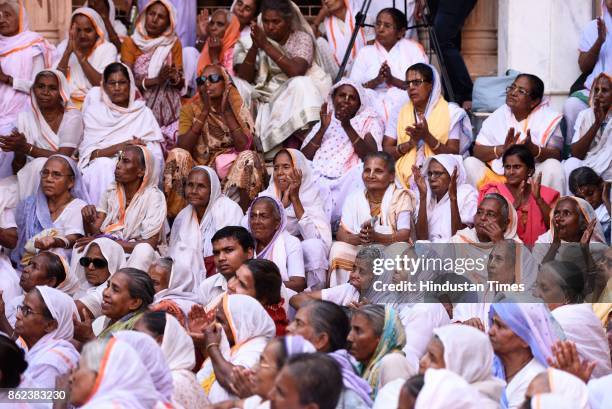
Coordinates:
[600,392]
[107,124]
[247,318]
[444,389]
[152,357]
[111,251]
[122,380]
[570,387]
[551,401]
[181,284]
[160,46]
[177,346]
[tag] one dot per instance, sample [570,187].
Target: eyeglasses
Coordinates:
[213,78]
[435,175]
[97,262]
[415,83]
[513,88]
[54,175]
[25,311]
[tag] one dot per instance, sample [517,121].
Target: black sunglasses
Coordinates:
[213,78]
[97,262]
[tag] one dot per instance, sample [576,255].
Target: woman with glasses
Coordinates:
[444,196]
[52,125]
[522,188]
[379,214]
[283,70]
[526,118]
[49,219]
[114,119]
[100,259]
[86,53]
[592,139]
[381,67]
[215,130]
[155,54]
[45,328]
[426,125]
[23,53]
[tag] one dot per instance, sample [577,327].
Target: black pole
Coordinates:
[360,19]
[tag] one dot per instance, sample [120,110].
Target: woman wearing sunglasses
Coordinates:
[215,130]
[525,118]
[282,63]
[101,259]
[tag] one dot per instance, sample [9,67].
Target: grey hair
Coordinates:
[13,4]
[93,352]
[227,14]
[272,202]
[375,314]
[164,262]
[369,254]
[505,211]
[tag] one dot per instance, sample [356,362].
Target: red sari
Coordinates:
[530,219]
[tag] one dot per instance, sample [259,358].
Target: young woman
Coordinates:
[586,184]
[87,52]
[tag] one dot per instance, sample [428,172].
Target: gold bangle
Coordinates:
[437,146]
[495,152]
[355,141]
[196,119]
[31,148]
[539,152]
[212,344]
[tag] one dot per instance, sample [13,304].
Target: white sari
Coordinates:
[181,286]
[107,124]
[37,131]
[190,239]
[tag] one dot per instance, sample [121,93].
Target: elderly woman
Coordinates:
[177,347]
[128,294]
[381,66]
[592,137]
[113,120]
[100,259]
[573,229]
[561,285]
[522,335]
[215,130]
[525,118]
[285,72]
[467,352]
[49,219]
[115,28]
[174,286]
[595,58]
[349,129]
[223,33]
[44,325]
[443,191]
[45,269]
[327,326]
[86,54]
[376,340]
[52,125]
[237,339]
[586,184]
[522,188]
[569,388]
[267,222]
[261,280]
[426,125]
[22,54]
[378,214]
[208,211]
[294,185]
[111,373]
[133,209]
[155,54]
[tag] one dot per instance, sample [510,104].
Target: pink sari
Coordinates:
[530,219]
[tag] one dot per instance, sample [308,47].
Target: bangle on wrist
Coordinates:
[314,144]
[437,146]
[539,152]
[142,84]
[355,141]
[30,150]
[212,344]
[495,152]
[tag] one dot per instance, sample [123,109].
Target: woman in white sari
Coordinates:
[9,279]
[179,351]
[379,214]
[525,118]
[382,66]
[282,69]
[207,212]
[592,139]
[51,126]
[133,209]
[86,53]
[238,338]
[114,119]
[115,28]
[294,186]
[44,325]
[443,192]
[348,130]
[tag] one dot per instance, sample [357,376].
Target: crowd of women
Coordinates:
[203,226]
